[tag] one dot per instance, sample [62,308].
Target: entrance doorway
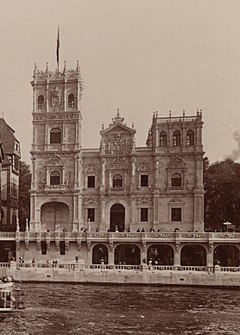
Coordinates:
[117,218]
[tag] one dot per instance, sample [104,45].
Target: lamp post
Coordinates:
[227,224]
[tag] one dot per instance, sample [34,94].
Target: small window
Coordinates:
[117,181]
[44,247]
[144,214]
[144,180]
[55,135]
[91,181]
[176,180]
[55,178]
[62,248]
[176,138]
[71,100]
[163,139]
[190,137]
[40,102]
[91,214]
[176,215]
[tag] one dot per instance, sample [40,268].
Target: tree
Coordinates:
[222,193]
[24,195]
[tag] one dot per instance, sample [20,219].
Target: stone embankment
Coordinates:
[123,274]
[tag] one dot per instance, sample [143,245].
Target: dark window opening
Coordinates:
[91,214]
[144,214]
[44,247]
[55,136]
[163,139]
[91,181]
[55,178]
[176,215]
[176,138]
[117,181]
[190,137]
[144,180]
[176,180]
[62,248]
[40,102]
[71,100]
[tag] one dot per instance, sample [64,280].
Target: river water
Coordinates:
[62,309]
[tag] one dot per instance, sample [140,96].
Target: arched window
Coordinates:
[176,138]
[71,100]
[117,181]
[163,139]
[190,137]
[176,180]
[55,178]
[40,102]
[55,135]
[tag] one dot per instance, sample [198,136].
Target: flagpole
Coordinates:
[57,51]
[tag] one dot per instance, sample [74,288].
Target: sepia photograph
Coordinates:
[120,167]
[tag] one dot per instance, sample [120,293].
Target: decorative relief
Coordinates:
[142,201]
[55,98]
[176,162]
[144,166]
[54,160]
[91,168]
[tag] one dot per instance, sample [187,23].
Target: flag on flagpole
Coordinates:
[58,46]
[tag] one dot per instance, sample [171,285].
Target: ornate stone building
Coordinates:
[94,203]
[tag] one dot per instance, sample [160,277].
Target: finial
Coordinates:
[118,112]
[156,113]
[34,69]
[46,67]
[78,68]
[170,114]
[132,125]
[103,126]
[183,112]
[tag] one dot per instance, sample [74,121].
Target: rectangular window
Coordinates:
[144,214]
[144,180]
[91,181]
[91,214]
[62,247]
[44,247]
[176,215]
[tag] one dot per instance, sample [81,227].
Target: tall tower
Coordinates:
[56,150]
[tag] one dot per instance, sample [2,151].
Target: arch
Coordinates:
[55,135]
[163,139]
[176,138]
[117,181]
[40,102]
[176,180]
[226,255]
[117,217]
[55,216]
[100,254]
[55,178]
[127,254]
[162,254]
[71,100]
[190,137]
[193,255]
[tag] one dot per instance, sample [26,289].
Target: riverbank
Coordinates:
[142,275]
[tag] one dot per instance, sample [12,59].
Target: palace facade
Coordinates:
[118,203]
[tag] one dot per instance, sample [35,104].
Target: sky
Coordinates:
[140,56]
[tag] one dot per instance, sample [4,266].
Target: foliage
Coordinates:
[24,195]
[222,193]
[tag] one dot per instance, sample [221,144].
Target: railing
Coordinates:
[4,265]
[144,267]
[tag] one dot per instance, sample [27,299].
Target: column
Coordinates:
[103,174]
[157,137]
[177,256]
[210,256]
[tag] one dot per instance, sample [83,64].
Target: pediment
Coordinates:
[118,128]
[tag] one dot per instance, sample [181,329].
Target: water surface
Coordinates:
[62,309]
